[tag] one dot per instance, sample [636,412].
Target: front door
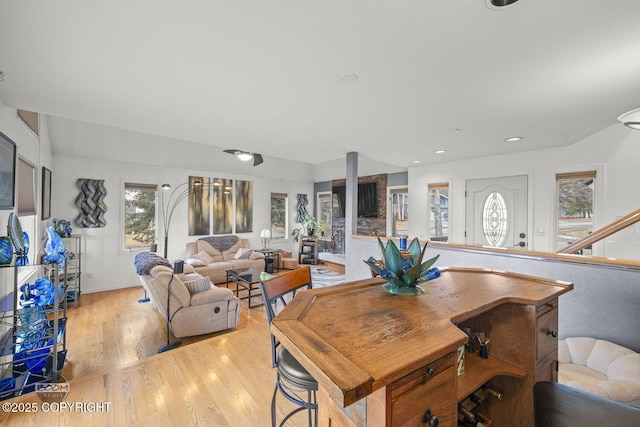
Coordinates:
[496,212]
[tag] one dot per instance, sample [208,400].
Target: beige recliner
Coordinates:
[191,311]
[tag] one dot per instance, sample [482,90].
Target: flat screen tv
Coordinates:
[7,172]
[367,200]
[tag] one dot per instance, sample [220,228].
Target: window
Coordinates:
[140,205]
[575,197]
[495,219]
[279,216]
[439,207]
[324,204]
[399,217]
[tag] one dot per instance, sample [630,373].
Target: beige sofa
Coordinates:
[212,256]
[196,306]
[600,367]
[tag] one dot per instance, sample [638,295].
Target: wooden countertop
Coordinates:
[356,338]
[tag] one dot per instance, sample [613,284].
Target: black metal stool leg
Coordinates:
[273,406]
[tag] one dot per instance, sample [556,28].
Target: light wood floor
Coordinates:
[221,379]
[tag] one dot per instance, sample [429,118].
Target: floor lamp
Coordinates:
[177,195]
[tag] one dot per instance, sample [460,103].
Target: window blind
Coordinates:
[26,188]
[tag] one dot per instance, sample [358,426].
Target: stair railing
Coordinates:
[601,233]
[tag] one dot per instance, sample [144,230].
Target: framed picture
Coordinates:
[7,172]
[46,193]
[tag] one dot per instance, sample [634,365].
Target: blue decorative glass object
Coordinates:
[35,360]
[403,243]
[22,258]
[42,292]
[62,227]
[403,271]
[26,242]
[7,385]
[6,250]
[15,233]
[55,250]
[32,316]
[430,274]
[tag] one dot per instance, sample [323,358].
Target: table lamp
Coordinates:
[265,234]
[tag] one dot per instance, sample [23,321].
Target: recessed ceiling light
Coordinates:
[416,161]
[349,78]
[440,151]
[514,139]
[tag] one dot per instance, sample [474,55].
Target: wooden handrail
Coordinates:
[602,233]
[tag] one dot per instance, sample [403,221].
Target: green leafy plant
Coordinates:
[310,225]
[403,273]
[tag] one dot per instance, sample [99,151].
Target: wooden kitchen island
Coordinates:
[388,359]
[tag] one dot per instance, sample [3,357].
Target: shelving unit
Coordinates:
[308,250]
[33,336]
[74,268]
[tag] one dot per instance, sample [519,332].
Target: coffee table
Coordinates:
[247,278]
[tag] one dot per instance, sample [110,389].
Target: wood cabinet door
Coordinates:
[547,335]
[436,395]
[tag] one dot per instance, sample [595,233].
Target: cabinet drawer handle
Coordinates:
[429,371]
[552,333]
[431,419]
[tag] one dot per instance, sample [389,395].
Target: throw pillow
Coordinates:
[195,262]
[203,256]
[243,253]
[200,284]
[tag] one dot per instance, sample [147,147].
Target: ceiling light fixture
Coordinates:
[631,119]
[440,151]
[245,156]
[500,3]
[514,139]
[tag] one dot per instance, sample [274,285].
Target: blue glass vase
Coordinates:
[6,250]
[23,259]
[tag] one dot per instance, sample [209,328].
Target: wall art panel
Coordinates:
[199,206]
[90,202]
[244,206]
[222,206]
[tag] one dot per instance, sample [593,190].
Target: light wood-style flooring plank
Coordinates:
[221,379]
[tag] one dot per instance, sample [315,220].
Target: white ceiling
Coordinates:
[265,75]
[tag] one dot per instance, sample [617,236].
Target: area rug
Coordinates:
[321,278]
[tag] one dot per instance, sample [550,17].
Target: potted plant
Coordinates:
[311,225]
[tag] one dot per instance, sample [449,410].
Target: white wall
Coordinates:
[614,151]
[83,150]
